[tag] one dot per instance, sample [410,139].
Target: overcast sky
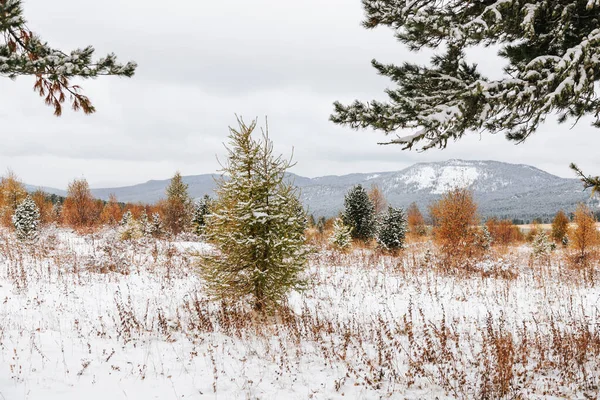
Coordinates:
[201,62]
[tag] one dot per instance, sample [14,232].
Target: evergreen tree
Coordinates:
[145,224]
[178,210]
[486,238]
[359,213]
[24,53]
[201,210]
[321,222]
[26,220]
[551,52]
[126,219]
[541,245]
[156,226]
[255,226]
[341,237]
[129,227]
[392,231]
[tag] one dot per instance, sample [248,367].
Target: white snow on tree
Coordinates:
[201,209]
[127,216]
[550,51]
[256,225]
[145,224]
[26,220]
[359,213]
[541,245]
[156,225]
[130,228]
[392,229]
[486,238]
[341,237]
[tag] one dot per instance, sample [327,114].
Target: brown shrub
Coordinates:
[80,211]
[504,232]
[455,223]
[12,192]
[583,238]
[560,226]
[416,222]
[112,213]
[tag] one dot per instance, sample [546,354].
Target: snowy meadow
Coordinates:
[90,315]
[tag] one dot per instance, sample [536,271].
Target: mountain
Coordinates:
[501,189]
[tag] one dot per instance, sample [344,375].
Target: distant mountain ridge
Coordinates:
[501,189]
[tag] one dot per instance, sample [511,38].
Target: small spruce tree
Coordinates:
[127,217]
[486,238]
[359,214]
[201,210]
[392,231]
[156,226]
[145,224]
[26,220]
[130,228]
[341,237]
[541,245]
[255,226]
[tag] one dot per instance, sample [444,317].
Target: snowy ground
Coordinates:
[91,317]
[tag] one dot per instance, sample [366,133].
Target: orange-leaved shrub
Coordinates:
[455,227]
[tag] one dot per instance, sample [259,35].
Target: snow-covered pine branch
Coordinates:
[552,49]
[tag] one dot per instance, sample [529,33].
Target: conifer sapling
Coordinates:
[392,231]
[256,225]
[26,220]
[359,214]
[341,237]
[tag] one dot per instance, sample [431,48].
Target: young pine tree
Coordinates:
[145,224]
[341,237]
[201,209]
[541,245]
[156,225]
[392,231]
[359,214]
[178,210]
[256,226]
[26,220]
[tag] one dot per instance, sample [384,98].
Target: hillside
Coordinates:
[501,189]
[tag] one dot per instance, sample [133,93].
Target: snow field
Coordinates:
[93,317]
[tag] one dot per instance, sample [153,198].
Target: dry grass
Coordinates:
[501,327]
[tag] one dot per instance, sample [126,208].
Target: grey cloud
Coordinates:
[200,63]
